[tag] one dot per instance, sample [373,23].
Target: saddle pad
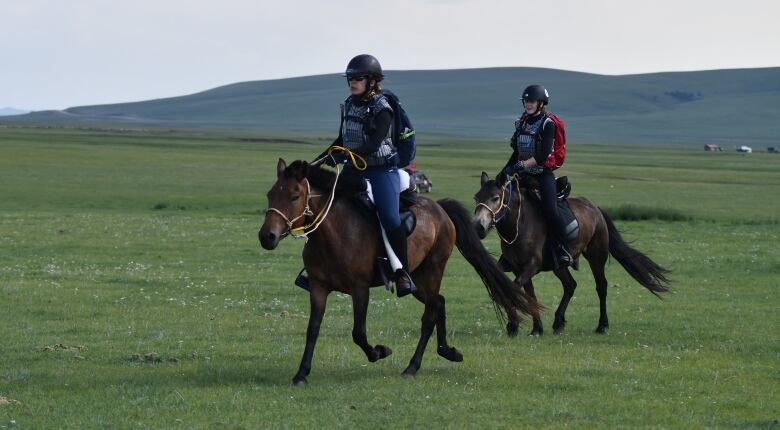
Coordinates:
[569,220]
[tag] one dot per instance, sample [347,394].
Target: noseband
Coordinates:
[495,217]
[303,231]
[306,212]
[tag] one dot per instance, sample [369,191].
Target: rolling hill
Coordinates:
[729,107]
[7,111]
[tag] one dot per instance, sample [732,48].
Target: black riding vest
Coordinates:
[526,138]
[355,128]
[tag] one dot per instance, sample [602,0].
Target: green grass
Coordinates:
[631,212]
[116,245]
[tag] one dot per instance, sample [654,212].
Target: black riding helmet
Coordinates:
[364,65]
[536,93]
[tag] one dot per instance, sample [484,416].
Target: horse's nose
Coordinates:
[268,239]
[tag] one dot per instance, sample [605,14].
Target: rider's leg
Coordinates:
[385,188]
[555,227]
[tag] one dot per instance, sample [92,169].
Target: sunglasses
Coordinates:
[356,78]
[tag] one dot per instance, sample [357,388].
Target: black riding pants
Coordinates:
[549,200]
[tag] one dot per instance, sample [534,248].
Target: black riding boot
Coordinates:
[403,281]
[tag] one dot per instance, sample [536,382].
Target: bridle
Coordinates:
[495,217]
[303,231]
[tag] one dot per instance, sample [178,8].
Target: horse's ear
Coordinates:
[280,167]
[502,178]
[484,179]
[303,171]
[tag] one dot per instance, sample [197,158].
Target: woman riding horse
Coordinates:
[306,201]
[366,130]
[532,144]
[512,208]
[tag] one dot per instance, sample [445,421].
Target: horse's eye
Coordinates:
[495,198]
[294,198]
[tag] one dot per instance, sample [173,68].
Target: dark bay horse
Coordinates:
[344,243]
[523,232]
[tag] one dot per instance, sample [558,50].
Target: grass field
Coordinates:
[134,294]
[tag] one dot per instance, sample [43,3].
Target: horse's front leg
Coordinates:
[318,298]
[523,282]
[360,309]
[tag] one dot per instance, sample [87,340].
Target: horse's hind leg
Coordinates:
[569,285]
[428,279]
[597,263]
[429,319]
[537,330]
[444,349]
[360,308]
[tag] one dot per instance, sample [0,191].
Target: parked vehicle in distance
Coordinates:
[421,180]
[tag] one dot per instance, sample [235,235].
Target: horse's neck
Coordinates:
[529,217]
[329,234]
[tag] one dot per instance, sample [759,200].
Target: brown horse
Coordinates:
[513,210]
[344,243]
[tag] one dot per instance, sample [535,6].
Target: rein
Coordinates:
[505,207]
[358,162]
[303,232]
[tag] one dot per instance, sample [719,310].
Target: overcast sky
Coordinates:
[58,53]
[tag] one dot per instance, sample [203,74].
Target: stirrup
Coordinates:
[404,290]
[302,280]
[564,257]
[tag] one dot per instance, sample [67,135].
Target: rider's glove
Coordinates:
[335,158]
[514,168]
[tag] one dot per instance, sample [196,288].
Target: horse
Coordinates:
[343,244]
[514,212]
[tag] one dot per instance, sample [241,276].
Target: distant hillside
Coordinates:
[723,106]
[7,111]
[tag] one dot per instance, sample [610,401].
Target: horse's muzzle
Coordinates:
[268,239]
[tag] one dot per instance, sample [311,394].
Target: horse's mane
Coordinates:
[322,179]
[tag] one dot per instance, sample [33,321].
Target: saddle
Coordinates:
[563,189]
[408,199]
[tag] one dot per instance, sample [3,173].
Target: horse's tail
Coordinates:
[646,271]
[501,289]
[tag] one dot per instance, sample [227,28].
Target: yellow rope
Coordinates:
[300,232]
[359,163]
[353,157]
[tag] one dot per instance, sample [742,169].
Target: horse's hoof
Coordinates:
[558,327]
[451,354]
[409,373]
[601,329]
[511,329]
[382,351]
[535,333]
[299,382]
